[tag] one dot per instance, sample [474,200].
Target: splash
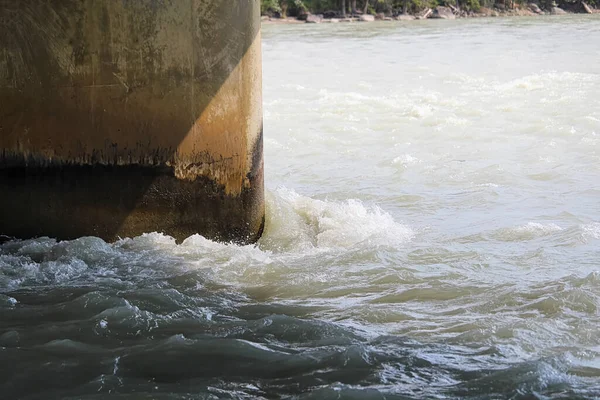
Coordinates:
[297,223]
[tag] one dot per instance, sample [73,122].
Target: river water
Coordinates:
[433,231]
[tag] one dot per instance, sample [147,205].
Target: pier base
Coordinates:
[124,117]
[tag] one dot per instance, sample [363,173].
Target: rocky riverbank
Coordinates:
[439,12]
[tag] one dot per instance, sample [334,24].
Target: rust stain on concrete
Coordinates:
[217,143]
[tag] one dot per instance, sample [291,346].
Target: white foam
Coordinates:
[405,160]
[549,79]
[537,228]
[206,251]
[419,111]
[488,184]
[299,222]
[455,121]
[591,231]
[23,272]
[152,241]
[7,301]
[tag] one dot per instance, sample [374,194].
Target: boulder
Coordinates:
[557,11]
[366,18]
[303,16]
[380,16]
[535,8]
[425,14]
[485,12]
[524,12]
[270,14]
[442,13]
[313,19]
[405,17]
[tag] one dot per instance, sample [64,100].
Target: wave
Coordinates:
[297,223]
[529,231]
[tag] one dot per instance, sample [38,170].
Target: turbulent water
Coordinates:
[433,231]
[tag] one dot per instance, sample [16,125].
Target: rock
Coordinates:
[485,12]
[442,13]
[587,9]
[265,18]
[380,16]
[523,12]
[366,18]
[557,11]
[333,20]
[535,8]
[405,17]
[425,14]
[345,20]
[388,19]
[303,16]
[313,19]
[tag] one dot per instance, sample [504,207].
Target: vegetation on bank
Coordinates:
[284,8]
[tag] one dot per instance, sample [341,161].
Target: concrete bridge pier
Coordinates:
[119,117]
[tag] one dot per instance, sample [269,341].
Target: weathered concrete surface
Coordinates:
[119,117]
